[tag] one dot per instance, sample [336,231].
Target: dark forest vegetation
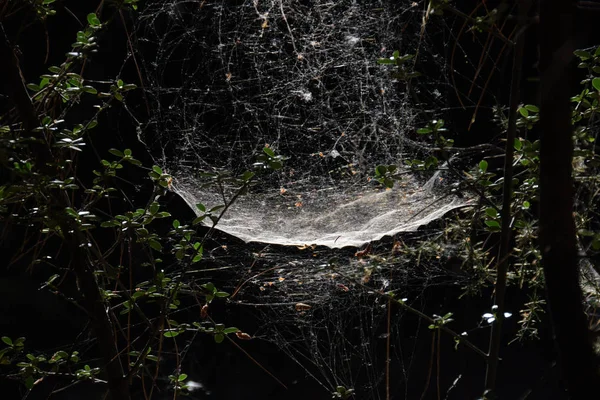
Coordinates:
[89,221]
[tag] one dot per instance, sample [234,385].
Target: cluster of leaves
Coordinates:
[45,193]
[472,235]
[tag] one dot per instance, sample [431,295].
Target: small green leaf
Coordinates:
[221,294]
[154,208]
[424,131]
[524,112]
[89,89]
[171,334]
[582,232]
[176,223]
[532,108]
[246,176]
[33,87]
[157,169]
[29,382]
[182,377]
[93,20]
[230,330]
[492,224]
[582,54]
[275,165]
[7,340]
[268,151]
[155,244]
[483,165]
[517,144]
[116,152]
[380,170]
[491,212]
[219,337]
[596,83]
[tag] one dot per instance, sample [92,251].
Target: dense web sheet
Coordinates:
[228,78]
[326,217]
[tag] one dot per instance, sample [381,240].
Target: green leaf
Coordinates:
[483,165]
[29,382]
[492,224]
[526,204]
[127,152]
[524,112]
[201,207]
[157,169]
[424,131]
[491,212]
[116,152]
[93,20]
[246,176]
[596,83]
[198,220]
[221,294]
[219,337]
[385,61]
[154,208]
[517,144]
[155,244]
[582,232]
[209,286]
[532,108]
[582,54]
[89,89]
[268,151]
[176,223]
[275,165]
[171,334]
[182,377]
[380,170]
[7,340]
[230,330]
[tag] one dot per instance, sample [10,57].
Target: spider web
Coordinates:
[226,78]
[229,78]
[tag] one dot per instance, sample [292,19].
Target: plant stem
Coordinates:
[506,233]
